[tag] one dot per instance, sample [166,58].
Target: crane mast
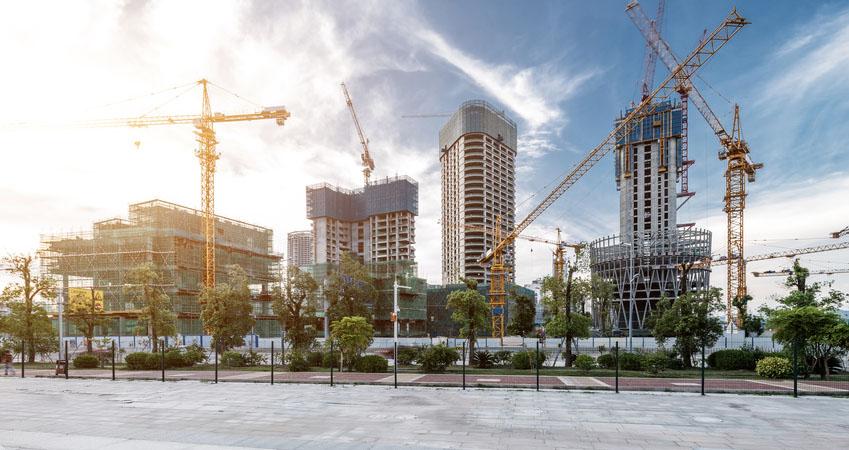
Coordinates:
[368,163]
[703,52]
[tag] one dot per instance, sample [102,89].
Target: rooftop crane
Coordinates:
[786,272]
[206,153]
[740,168]
[703,52]
[368,163]
[840,234]
[650,61]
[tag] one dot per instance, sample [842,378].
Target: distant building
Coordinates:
[477,155]
[377,222]
[299,248]
[170,237]
[536,287]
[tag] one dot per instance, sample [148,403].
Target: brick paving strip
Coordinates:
[715,385]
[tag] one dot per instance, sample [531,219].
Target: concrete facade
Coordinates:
[377,222]
[299,248]
[478,162]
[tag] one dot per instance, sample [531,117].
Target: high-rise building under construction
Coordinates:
[653,254]
[171,238]
[478,162]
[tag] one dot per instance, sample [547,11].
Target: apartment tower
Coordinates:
[478,164]
[299,248]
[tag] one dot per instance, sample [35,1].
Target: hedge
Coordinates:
[774,367]
[371,364]
[86,361]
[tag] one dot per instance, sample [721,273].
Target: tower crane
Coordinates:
[740,168]
[368,163]
[840,234]
[206,153]
[789,253]
[703,52]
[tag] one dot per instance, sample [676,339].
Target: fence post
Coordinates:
[617,367]
[703,368]
[464,365]
[67,362]
[113,360]
[23,357]
[332,362]
[272,362]
[795,368]
[396,365]
[536,364]
[162,359]
[282,351]
[216,347]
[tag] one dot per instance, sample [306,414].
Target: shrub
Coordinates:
[142,361]
[297,362]
[253,358]
[330,359]
[408,355]
[86,361]
[502,357]
[607,361]
[484,359]
[174,358]
[437,358]
[232,359]
[194,354]
[732,359]
[655,362]
[525,360]
[774,367]
[585,363]
[371,364]
[630,361]
[314,359]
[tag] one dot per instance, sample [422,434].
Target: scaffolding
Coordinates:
[170,237]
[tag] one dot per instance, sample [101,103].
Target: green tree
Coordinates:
[523,315]
[564,304]
[295,308]
[352,336]
[28,320]
[350,290]
[227,309]
[691,320]
[470,311]
[85,311]
[145,289]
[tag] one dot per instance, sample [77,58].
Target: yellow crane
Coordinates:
[735,150]
[206,153]
[368,163]
[681,74]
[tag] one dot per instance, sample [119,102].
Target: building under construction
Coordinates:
[644,262]
[171,238]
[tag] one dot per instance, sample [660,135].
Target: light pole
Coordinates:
[61,326]
[395,309]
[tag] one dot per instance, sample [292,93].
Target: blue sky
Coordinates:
[562,70]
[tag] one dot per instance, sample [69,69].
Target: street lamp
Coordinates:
[395,309]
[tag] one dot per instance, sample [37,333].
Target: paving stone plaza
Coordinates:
[40,413]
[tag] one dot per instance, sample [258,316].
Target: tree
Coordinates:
[227,309]
[85,311]
[524,314]
[470,311]
[294,307]
[563,301]
[352,336]
[28,321]
[144,289]
[350,290]
[691,320]
[806,318]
